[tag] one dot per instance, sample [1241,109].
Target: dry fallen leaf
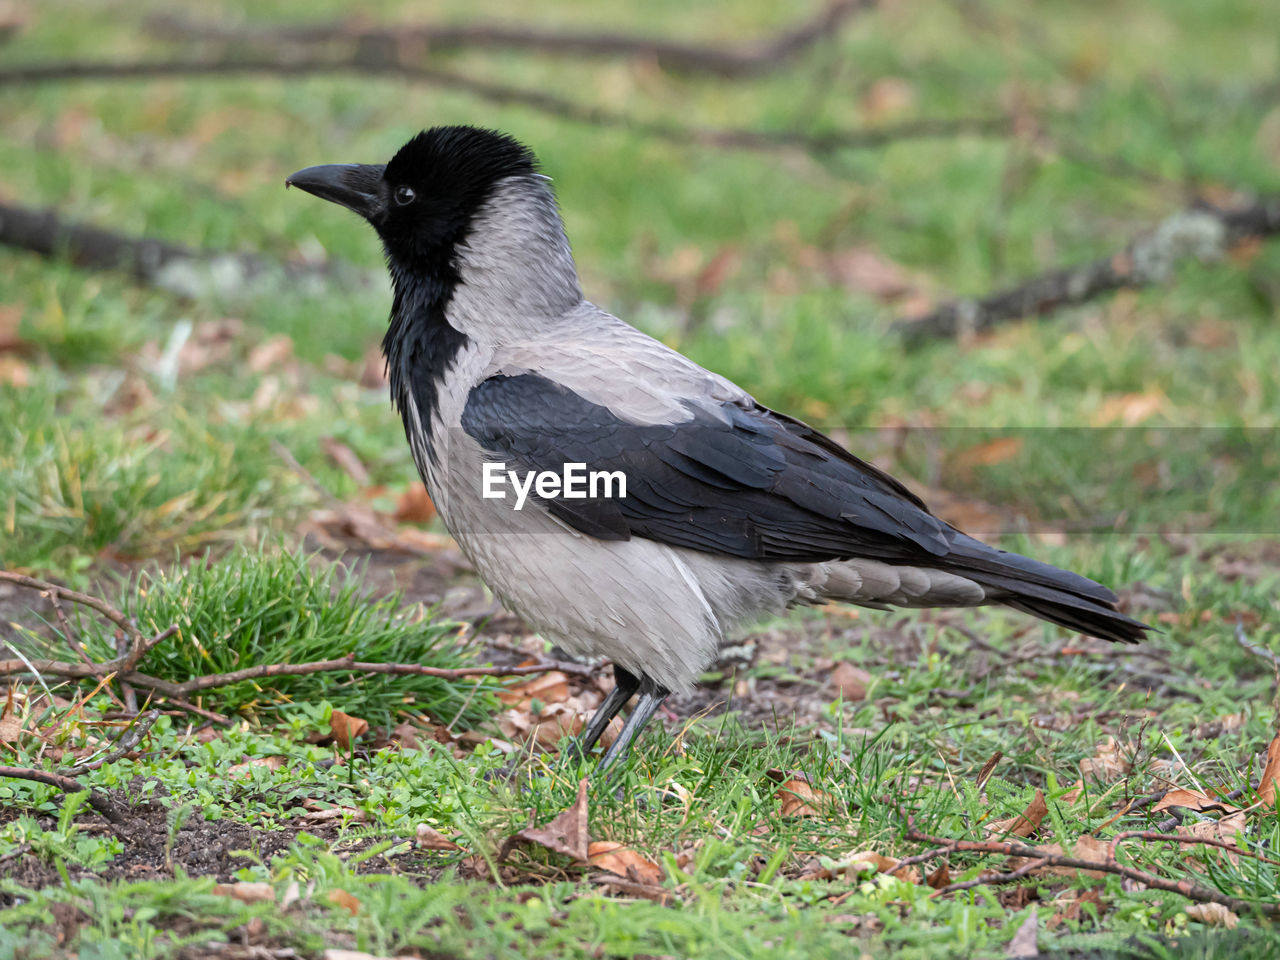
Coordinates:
[1023,944]
[800,799]
[567,833]
[10,725]
[346,728]
[344,900]
[1108,763]
[1130,409]
[851,681]
[14,372]
[625,862]
[1212,914]
[1070,904]
[1086,847]
[1024,824]
[414,505]
[270,353]
[316,813]
[347,460]
[246,892]
[549,687]
[860,864]
[1267,787]
[940,877]
[429,838]
[987,454]
[273,762]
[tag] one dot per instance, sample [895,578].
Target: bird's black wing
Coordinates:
[735,480]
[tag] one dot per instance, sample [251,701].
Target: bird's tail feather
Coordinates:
[1048,592]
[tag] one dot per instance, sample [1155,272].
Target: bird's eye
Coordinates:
[404,195]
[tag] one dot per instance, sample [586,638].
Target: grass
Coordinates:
[1125,439]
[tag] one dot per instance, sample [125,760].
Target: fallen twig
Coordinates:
[992,879]
[1188,839]
[1186,888]
[361,63]
[1201,232]
[1242,638]
[128,740]
[68,785]
[170,266]
[124,669]
[753,59]
[85,600]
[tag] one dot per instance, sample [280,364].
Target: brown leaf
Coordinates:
[1026,823]
[1130,409]
[549,687]
[245,892]
[270,353]
[886,98]
[344,900]
[1069,905]
[10,320]
[863,270]
[987,454]
[1212,914]
[346,460]
[273,762]
[567,833]
[316,813]
[940,877]
[1108,763]
[799,799]
[1086,847]
[10,725]
[1023,944]
[1193,800]
[851,681]
[1267,788]
[625,862]
[14,372]
[414,505]
[429,838]
[346,728]
[855,865]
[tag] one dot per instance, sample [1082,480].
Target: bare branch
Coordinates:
[1201,232]
[170,266]
[93,603]
[1185,888]
[96,800]
[751,60]
[550,104]
[127,741]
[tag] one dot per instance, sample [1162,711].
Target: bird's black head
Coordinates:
[423,201]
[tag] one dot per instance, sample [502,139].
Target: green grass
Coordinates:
[141,459]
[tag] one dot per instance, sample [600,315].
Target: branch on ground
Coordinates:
[1201,232]
[750,60]
[1042,857]
[179,269]
[361,63]
[123,670]
[98,801]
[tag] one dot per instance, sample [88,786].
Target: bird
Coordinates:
[726,511]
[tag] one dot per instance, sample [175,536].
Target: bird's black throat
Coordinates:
[420,346]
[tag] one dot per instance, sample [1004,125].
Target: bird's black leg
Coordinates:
[624,685]
[651,697]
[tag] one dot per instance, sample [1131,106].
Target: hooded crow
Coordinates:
[710,511]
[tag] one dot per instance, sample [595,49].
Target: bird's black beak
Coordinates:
[354,185]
